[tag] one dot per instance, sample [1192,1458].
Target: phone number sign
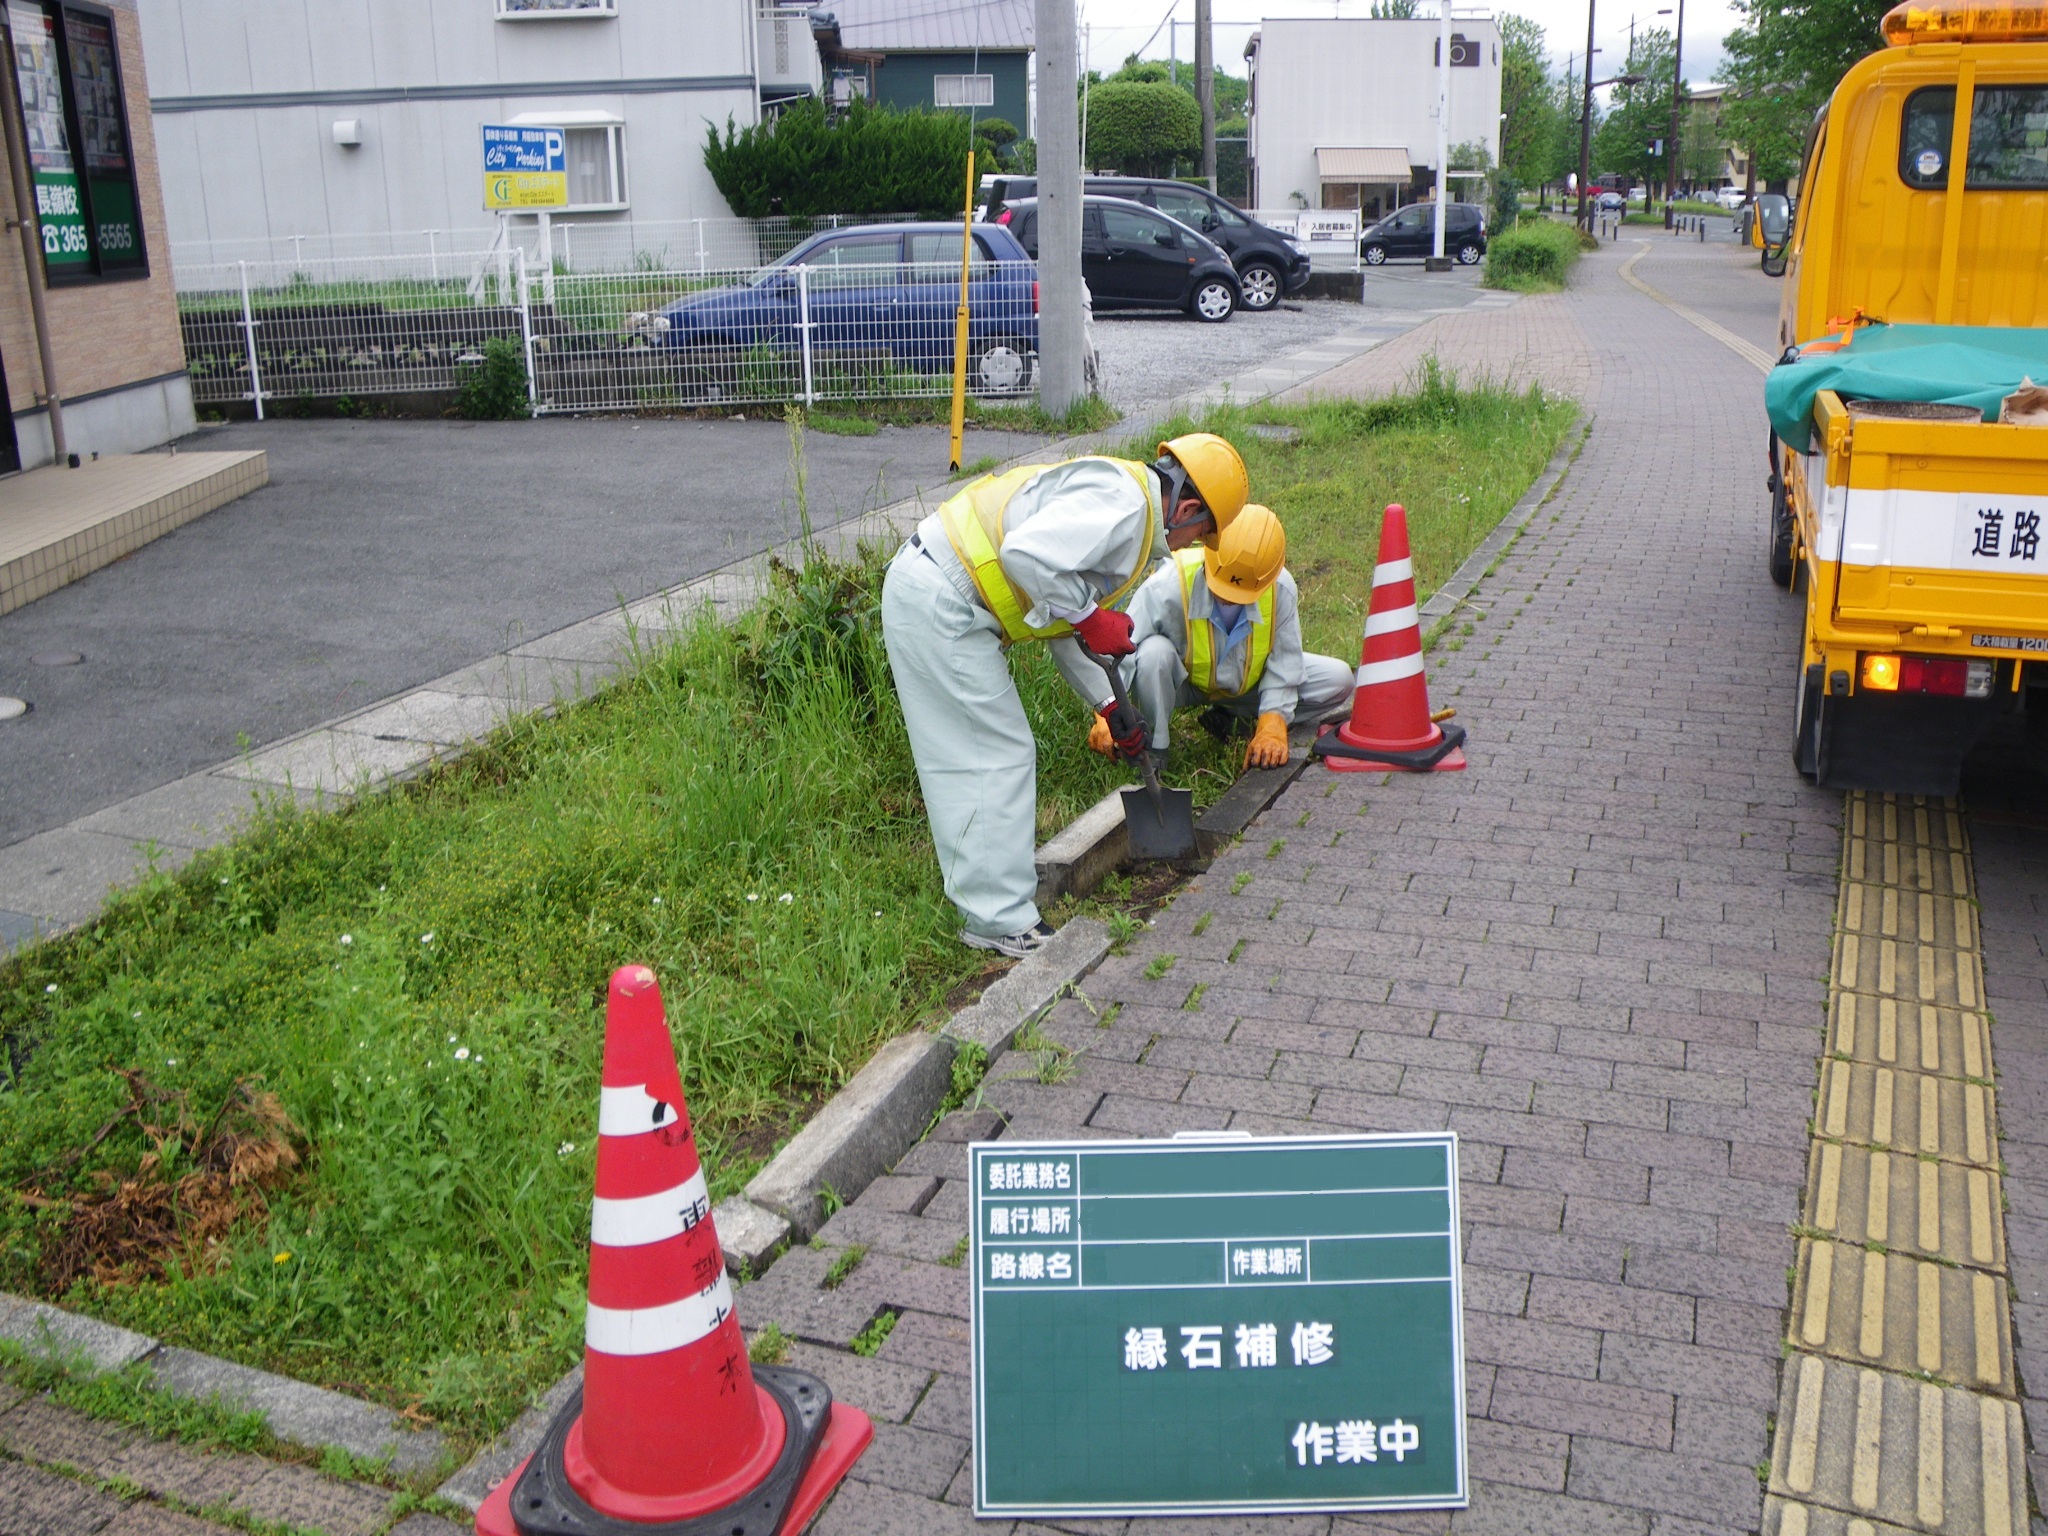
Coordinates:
[1217,1326]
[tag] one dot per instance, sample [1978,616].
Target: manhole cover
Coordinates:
[12,709]
[57,658]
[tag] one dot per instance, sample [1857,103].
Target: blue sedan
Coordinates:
[881,291]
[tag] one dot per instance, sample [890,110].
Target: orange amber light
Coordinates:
[1964,21]
[1881,673]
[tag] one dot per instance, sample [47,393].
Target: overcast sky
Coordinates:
[1120,27]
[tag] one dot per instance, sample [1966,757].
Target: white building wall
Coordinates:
[1361,82]
[241,169]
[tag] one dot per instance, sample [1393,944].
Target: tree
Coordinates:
[1393,10]
[1533,149]
[1141,127]
[870,160]
[1639,117]
[993,137]
[1784,61]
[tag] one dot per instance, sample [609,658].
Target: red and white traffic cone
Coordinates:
[675,1429]
[1390,729]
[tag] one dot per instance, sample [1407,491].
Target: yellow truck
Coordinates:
[1909,505]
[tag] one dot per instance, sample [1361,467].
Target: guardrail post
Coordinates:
[249,341]
[700,244]
[526,332]
[803,317]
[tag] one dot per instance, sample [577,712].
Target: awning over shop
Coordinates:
[1375,164]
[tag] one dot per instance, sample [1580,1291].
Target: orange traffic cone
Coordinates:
[675,1429]
[1390,729]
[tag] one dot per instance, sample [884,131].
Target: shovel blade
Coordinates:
[1163,828]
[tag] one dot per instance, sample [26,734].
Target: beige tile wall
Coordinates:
[106,333]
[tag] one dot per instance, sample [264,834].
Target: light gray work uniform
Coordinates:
[1294,681]
[1071,536]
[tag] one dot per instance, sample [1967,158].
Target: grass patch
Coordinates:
[869,1341]
[1536,256]
[841,426]
[1457,454]
[407,996]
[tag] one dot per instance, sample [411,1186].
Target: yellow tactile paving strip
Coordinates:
[1898,1410]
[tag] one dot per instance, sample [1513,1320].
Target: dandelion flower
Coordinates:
[878,914]
[170,1061]
[451,1039]
[136,1014]
[565,1149]
[347,939]
[751,896]
[426,938]
[462,1054]
[53,986]
[657,901]
[785,898]
[281,1258]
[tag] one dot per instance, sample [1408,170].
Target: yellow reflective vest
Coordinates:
[973,520]
[1201,634]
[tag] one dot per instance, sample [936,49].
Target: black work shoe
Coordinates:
[1015,945]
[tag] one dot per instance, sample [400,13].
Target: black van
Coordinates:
[1268,266]
[1411,231]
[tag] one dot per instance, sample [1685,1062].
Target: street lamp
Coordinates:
[1586,118]
[1671,144]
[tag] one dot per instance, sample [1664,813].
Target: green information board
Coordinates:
[1217,1326]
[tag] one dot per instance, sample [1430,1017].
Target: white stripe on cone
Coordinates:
[1388,572]
[1389,671]
[1393,620]
[657,1330]
[631,1111]
[650,1218]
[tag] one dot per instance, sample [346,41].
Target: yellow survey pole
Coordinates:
[960,320]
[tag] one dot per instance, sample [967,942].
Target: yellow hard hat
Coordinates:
[1247,557]
[1215,471]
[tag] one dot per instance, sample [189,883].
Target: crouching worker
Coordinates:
[1222,627]
[1038,553]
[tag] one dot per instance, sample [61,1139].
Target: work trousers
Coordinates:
[1158,681]
[976,760]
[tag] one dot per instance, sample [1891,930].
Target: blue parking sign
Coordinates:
[525,167]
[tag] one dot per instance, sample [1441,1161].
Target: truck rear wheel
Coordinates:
[1807,706]
[1782,567]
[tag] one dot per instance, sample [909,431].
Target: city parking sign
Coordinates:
[525,167]
[1214,1326]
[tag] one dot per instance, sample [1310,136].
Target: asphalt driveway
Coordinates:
[385,553]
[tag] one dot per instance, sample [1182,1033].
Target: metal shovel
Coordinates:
[1159,823]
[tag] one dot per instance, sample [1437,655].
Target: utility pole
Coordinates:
[1205,89]
[1586,120]
[1677,86]
[1061,375]
[1172,50]
[1437,261]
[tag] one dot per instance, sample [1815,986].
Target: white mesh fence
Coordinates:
[265,332]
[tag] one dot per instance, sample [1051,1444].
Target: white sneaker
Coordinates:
[1015,945]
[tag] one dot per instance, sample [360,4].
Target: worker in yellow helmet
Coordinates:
[1221,627]
[1043,552]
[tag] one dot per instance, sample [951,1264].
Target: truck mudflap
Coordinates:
[1907,744]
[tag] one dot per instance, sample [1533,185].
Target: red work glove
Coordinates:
[1106,632]
[1126,735]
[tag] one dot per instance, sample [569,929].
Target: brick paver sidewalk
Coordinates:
[64,1474]
[1598,955]
[1535,340]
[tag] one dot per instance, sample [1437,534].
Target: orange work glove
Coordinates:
[1099,739]
[1268,748]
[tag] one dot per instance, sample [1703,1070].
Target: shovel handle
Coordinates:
[1125,717]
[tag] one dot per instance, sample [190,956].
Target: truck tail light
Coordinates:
[1939,675]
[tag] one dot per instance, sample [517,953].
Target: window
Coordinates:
[853,263]
[2008,137]
[1190,208]
[597,166]
[1126,226]
[76,126]
[940,253]
[553,10]
[963,90]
